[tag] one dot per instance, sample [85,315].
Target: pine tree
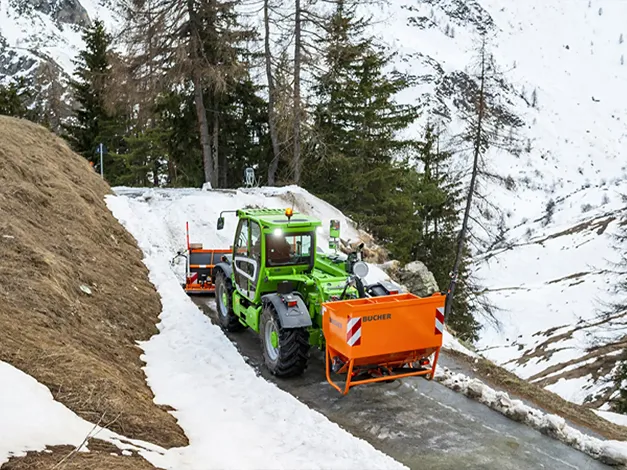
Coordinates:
[146,159]
[352,163]
[438,199]
[98,118]
[283,106]
[13,99]
[297,116]
[245,140]
[92,70]
[175,116]
[272,117]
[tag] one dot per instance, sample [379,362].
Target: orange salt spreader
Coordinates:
[382,338]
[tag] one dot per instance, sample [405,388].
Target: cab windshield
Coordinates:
[286,249]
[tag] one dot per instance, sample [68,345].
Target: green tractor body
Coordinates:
[275,282]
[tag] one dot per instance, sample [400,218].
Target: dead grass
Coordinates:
[499,378]
[56,235]
[101,456]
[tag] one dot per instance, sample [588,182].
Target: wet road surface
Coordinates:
[419,423]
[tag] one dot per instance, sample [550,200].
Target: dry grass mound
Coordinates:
[56,236]
[100,457]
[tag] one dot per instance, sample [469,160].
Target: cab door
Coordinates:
[246,258]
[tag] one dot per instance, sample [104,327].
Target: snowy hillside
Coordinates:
[550,274]
[551,284]
[569,55]
[40,40]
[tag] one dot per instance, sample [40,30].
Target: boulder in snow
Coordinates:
[391,268]
[418,279]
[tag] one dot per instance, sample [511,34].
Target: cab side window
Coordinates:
[255,241]
[241,247]
[240,251]
[255,255]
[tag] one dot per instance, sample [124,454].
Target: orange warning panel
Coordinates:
[384,336]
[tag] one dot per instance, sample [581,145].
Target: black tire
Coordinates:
[227,319]
[291,357]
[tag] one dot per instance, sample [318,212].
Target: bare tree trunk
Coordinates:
[201,111]
[473,181]
[437,178]
[274,164]
[203,128]
[214,150]
[223,169]
[297,116]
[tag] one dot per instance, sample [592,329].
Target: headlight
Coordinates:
[278,232]
[360,269]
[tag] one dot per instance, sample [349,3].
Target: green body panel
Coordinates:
[248,315]
[317,278]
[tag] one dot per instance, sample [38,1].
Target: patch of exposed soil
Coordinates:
[598,361]
[599,224]
[574,276]
[74,294]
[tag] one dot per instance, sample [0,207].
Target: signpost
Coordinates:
[100,148]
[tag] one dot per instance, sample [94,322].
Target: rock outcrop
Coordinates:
[417,278]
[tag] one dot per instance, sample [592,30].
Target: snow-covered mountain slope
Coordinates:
[552,283]
[39,40]
[567,54]
[563,170]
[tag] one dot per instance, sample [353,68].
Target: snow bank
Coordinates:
[452,343]
[615,418]
[32,420]
[609,452]
[232,417]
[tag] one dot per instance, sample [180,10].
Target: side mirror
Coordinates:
[220,223]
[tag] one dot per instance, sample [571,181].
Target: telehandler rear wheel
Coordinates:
[226,317]
[285,351]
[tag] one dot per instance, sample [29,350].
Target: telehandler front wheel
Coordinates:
[226,317]
[285,351]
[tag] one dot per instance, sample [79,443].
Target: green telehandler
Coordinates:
[277,283]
